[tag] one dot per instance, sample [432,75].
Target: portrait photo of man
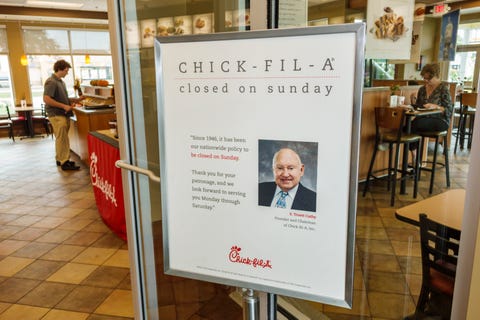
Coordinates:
[286,190]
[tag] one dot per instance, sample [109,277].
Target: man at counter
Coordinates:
[58,107]
[287,191]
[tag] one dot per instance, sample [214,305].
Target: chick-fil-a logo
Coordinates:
[97,181]
[234,256]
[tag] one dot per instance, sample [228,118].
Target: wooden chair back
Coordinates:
[389,120]
[5,120]
[469,99]
[439,246]
[4,112]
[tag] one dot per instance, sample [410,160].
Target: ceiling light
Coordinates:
[70,5]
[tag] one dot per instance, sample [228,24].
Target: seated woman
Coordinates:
[433,95]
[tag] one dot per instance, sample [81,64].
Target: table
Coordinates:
[28,113]
[445,208]
[408,126]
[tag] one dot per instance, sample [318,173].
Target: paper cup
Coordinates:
[393,101]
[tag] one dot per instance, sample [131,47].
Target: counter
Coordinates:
[106,180]
[372,98]
[84,121]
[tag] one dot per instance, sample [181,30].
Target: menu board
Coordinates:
[202,23]
[240,115]
[183,24]
[165,27]
[148,31]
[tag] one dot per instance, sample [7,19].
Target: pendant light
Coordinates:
[23,57]
[87,56]
[24,60]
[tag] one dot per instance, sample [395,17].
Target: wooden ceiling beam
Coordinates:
[47,12]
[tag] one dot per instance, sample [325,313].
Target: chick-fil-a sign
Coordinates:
[219,97]
[234,256]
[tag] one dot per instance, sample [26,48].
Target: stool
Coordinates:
[435,135]
[468,105]
[389,132]
[43,119]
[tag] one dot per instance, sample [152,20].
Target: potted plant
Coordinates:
[394,90]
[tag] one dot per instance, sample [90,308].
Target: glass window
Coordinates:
[382,69]
[462,69]
[40,67]
[100,67]
[6,94]
[468,33]
[91,42]
[3,40]
[45,47]
[45,41]
[377,69]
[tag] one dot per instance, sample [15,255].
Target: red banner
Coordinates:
[107,184]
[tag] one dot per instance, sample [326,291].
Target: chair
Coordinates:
[42,117]
[436,135]
[6,121]
[468,107]
[439,247]
[18,119]
[389,124]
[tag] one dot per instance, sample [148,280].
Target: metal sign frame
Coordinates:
[189,228]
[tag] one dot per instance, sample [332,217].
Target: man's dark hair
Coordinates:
[61,65]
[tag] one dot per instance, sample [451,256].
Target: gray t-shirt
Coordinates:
[55,88]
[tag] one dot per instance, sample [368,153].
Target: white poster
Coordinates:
[416,41]
[389,29]
[292,13]
[258,145]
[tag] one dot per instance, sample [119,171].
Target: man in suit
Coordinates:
[287,191]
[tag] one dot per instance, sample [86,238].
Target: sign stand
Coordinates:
[271,306]
[251,310]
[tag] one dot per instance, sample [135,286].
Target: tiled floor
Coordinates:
[59,261]
[57,258]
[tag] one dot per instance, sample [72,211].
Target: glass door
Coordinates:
[137,23]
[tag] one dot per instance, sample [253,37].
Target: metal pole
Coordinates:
[272,14]
[271,306]
[251,310]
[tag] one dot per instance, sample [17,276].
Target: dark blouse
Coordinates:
[440,96]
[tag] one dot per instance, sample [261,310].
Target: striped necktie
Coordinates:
[281,203]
